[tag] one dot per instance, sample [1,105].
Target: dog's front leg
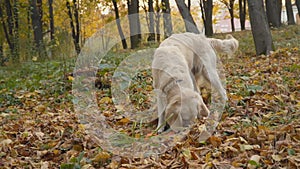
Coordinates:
[161,105]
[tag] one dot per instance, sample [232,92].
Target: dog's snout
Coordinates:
[186,123]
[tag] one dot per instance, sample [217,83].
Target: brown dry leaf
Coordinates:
[277,157]
[40,108]
[215,141]
[123,121]
[101,157]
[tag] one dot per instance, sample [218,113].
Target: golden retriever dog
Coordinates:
[178,103]
[200,57]
[182,64]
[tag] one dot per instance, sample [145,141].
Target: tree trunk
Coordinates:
[6,33]
[242,13]
[16,31]
[138,20]
[189,4]
[37,26]
[298,6]
[289,11]
[167,20]
[157,20]
[51,19]
[11,27]
[272,10]
[1,54]
[9,17]
[124,43]
[206,7]
[260,28]
[74,25]
[231,12]
[133,23]
[189,22]
[151,21]
[76,15]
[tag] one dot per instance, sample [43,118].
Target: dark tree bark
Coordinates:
[16,30]
[167,19]
[298,6]
[138,20]
[273,12]
[242,13]
[6,33]
[124,43]
[10,25]
[189,4]
[260,28]
[37,26]
[157,19]
[9,17]
[289,11]
[230,7]
[75,26]
[1,54]
[231,12]
[206,7]
[133,23]
[151,21]
[51,19]
[189,22]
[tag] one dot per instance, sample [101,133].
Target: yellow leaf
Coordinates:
[278,98]
[268,97]
[56,152]
[105,100]
[149,88]
[34,59]
[256,82]
[123,121]
[71,78]
[207,157]
[101,157]
[40,108]
[187,153]
[236,97]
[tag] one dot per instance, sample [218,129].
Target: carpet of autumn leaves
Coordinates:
[260,127]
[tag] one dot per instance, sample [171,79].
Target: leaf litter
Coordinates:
[260,127]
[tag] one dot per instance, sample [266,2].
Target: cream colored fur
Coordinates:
[183,58]
[178,102]
[226,46]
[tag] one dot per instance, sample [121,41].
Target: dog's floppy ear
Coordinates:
[172,115]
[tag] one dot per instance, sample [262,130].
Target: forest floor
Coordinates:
[260,126]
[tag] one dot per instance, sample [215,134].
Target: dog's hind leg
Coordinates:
[211,75]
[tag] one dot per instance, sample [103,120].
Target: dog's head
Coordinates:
[182,110]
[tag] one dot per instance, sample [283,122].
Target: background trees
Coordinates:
[260,28]
[48,29]
[206,7]
[189,22]
[273,9]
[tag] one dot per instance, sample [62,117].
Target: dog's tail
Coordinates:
[227,46]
